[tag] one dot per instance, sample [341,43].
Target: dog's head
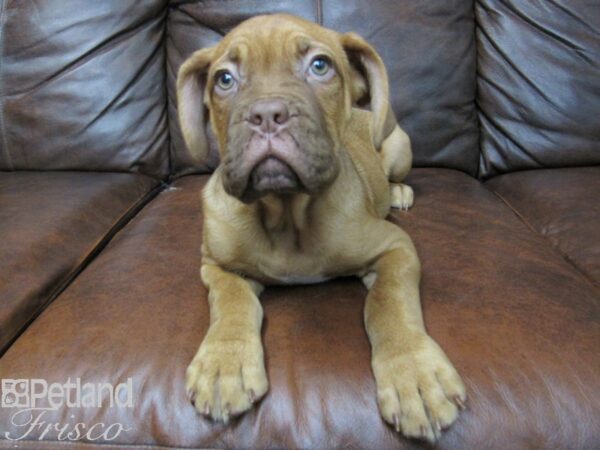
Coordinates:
[279,91]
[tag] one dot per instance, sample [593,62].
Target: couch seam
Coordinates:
[564,256]
[2,128]
[83,263]
[476,99]
[167,15]
[320,12]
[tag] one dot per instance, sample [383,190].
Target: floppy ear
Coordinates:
[370,85]
[191,105]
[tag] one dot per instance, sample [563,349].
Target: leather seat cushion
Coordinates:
[564,206]
[51,224]
[506,308]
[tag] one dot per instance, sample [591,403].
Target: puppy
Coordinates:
[305,183]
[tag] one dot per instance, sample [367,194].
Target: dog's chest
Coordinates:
[292,240]
[306,266]
[302,279]
[293,255]
[297,249]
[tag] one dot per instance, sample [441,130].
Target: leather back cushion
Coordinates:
[83,86]
[428,47]
[538,84]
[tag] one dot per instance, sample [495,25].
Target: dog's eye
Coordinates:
[225,80]
[320,66]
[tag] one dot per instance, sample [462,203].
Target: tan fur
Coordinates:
[301,237]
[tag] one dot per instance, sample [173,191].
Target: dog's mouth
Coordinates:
[270,164]
[274,175]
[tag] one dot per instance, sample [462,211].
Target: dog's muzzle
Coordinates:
[279,147]
[269,120]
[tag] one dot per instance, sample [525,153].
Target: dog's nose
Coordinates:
[269,115]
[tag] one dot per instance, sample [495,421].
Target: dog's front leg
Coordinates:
[418,389]
[228,374]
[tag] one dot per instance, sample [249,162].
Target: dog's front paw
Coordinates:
[418,391]
[402,196]
[226,377]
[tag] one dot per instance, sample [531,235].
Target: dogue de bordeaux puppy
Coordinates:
[311,160]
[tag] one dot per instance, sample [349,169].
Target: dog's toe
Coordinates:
[402,196]
[402,407]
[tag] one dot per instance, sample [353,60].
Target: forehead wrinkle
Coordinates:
[266,50]
[238,50]
[299,43]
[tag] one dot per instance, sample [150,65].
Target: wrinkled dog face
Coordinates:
[278,94]
[268,107]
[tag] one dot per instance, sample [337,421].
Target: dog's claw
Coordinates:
[252,395]
[396,423]
[437,430]
[206,409]
[460,403]
[226,413]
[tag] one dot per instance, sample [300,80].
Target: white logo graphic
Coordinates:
[39,394]
[15,394]
[34,398]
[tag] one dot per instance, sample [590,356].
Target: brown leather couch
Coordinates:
[100,226]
